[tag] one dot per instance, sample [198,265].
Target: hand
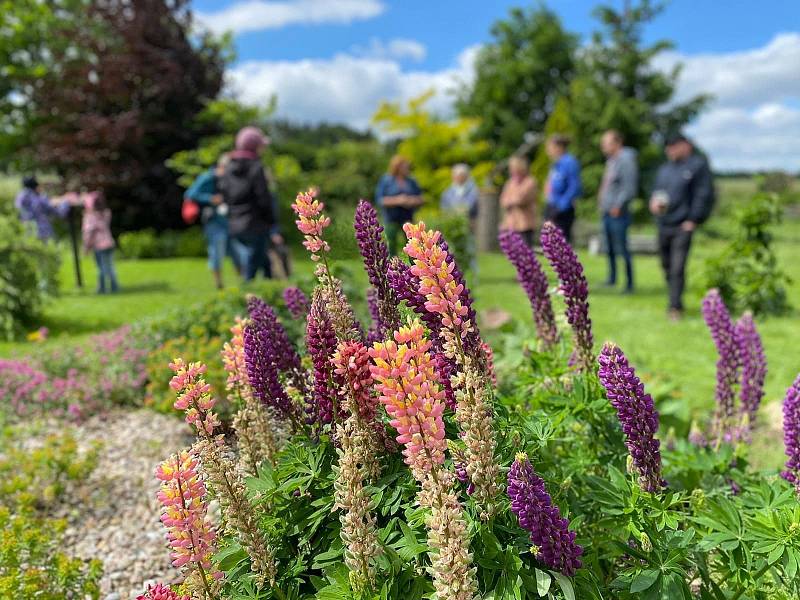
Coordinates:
[277,239]
[656,208]
[615,212]
[216,199]
[688,226]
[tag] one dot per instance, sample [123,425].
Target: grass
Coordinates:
[676,357]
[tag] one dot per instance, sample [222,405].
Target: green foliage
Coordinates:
[32,565]
[746,272]
[147,243]
[518,76]
[28,276]
[457,233]
[433,146]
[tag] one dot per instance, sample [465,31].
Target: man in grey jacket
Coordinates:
[683,196]
[618,188]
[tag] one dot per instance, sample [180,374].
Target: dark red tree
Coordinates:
[123,99]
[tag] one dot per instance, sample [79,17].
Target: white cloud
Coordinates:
[345,88]
[258,15]
[398,48]
[752,121]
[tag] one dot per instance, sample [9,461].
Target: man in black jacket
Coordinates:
[682,199]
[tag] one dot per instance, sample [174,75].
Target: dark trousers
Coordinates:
[529,235]
[673,245]
[105,270]
[252,250]
[395,237]
[616,229]
[563,220]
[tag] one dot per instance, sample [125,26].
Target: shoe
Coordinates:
[675,314]
[628,291]
[609,284]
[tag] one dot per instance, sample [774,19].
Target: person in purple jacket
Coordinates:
[563,185]
[36,208]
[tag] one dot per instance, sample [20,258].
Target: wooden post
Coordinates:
[76,254]
[488,219]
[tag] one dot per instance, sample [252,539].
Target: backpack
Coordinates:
[190,211]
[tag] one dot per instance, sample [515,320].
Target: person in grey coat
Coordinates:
[618,188]
[682,199]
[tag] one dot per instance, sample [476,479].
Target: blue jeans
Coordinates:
[217,243]
[105,270]
[252,251]
[616,229]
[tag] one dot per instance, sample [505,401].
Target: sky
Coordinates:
[336,60]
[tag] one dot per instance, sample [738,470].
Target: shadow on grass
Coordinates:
[125,290]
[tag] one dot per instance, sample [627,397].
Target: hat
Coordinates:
[251,139]
[30,182]
[674,138]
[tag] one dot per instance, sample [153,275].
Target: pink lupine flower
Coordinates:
[185,513]
[194,397]
[233,359]
[160,591]
[351,362]
[436,279]
[311,222]
[409,388]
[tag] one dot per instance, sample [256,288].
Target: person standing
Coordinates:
[97,238]
[618,188]
[518,200]
[563,185]
[37,209]
[214,215]
[250,203]
[682,199]
[398,195]
[462,195]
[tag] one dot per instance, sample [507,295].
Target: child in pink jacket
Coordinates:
[97,238]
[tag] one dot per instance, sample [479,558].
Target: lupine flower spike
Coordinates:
[637,415]
[575,290]
[194,398]
[358,463]
[375,252]
[718,320]
[445,296]
[321,343]
[553,542]
[312,222]
[160,591]
[791,434]
[754,370]
[534,281]
[254,425]
[296,301]
[408,385]
[185,515]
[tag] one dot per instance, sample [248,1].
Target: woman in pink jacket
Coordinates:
[97,238]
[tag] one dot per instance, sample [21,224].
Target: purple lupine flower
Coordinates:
[262,367]
[446,369]
[791,433]
[321,343]
[575,290]
[723,332]
[554,543]
[373,248]
[533,280]
[754,369]
[636,413]
[296,301]
[285,354]
[374,333]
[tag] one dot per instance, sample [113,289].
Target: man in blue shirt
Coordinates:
[563,185]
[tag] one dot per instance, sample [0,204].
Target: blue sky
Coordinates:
[337,59]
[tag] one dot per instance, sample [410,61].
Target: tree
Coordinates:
[434,145]
[114,92]
[618,86]
[518,77]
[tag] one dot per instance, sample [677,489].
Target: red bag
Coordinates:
[190,211]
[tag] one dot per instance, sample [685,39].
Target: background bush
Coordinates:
[28,276]
[147,243]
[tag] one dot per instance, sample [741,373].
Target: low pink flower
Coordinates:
[194,395]
[160,591]
[311,222]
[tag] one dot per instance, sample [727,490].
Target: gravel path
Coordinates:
[114,515]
